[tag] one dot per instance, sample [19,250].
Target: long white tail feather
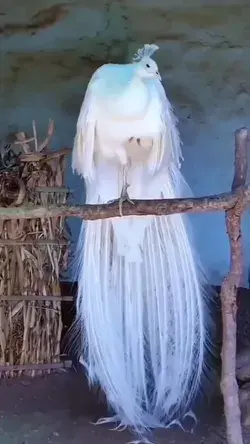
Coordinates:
[141,309]
[85,138]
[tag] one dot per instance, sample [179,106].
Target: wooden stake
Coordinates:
[229,289]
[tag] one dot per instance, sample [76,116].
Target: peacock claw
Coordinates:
[123,198]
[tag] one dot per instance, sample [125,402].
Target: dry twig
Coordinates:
[35,134]
[46,141]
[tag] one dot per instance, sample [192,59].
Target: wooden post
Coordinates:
[229,290]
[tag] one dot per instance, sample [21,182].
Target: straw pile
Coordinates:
[32,255]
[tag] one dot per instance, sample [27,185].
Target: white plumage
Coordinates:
[140,300]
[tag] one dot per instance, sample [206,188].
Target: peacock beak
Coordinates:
[158,75]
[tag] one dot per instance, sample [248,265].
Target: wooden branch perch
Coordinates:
[157,207]
[229,289]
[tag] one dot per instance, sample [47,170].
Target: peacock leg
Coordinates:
[124,193]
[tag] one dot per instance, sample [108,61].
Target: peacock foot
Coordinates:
[123,198]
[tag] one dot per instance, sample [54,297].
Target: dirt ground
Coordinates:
[58,409]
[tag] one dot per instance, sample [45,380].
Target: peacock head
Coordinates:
[147,68]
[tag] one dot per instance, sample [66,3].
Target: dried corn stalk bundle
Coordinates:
[32,255]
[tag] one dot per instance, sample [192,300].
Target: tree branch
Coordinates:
[229,289]
[157,207]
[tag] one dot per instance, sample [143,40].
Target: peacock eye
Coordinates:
[147,65]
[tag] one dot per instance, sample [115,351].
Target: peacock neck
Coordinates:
[132,103]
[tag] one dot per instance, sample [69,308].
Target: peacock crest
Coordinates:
[146,51]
